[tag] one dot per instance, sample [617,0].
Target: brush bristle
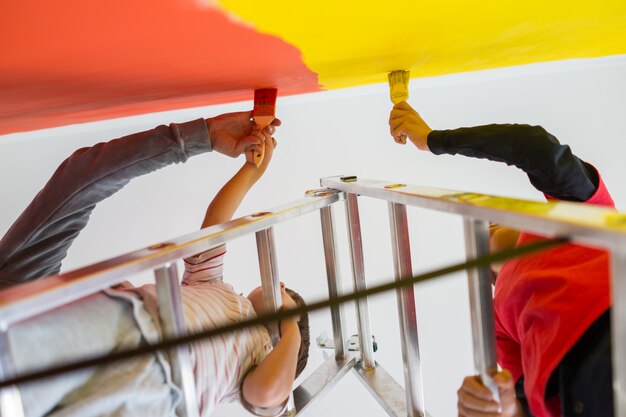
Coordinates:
[265,97]
[399,85]
[264,106]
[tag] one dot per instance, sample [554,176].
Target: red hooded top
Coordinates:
[543,304]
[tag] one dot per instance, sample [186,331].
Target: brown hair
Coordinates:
[305,337]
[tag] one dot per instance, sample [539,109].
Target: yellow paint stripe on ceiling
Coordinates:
[350,43]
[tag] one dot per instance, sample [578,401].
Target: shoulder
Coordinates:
[205,266]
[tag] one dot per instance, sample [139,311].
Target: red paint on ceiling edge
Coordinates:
[75,61]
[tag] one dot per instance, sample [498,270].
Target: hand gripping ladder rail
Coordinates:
[596,226]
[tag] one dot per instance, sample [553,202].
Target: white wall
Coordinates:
[581,102]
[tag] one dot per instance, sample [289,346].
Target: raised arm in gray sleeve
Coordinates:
[38,241]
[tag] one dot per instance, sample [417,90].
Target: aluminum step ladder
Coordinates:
[589,225]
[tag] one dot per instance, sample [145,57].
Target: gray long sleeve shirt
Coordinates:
[38,241]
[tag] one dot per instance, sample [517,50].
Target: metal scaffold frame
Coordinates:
[595,226]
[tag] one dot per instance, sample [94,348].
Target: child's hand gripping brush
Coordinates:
[263,115]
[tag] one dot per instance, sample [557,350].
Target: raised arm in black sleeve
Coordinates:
[551,167]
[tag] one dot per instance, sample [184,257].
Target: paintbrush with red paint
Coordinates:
[263,115]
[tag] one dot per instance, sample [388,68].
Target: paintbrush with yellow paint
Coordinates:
[399,89]
[263,115]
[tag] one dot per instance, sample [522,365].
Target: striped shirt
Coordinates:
[219,364]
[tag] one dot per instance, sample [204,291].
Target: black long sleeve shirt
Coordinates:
[550,166]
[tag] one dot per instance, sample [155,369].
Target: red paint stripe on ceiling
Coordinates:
[74,61]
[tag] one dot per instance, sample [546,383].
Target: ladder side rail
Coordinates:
[358,273]
[270,282]
[334,282]
[10,397]
[618,329]
[409,339]
[585,224]
[173,325]
[481,304]
[30,299]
